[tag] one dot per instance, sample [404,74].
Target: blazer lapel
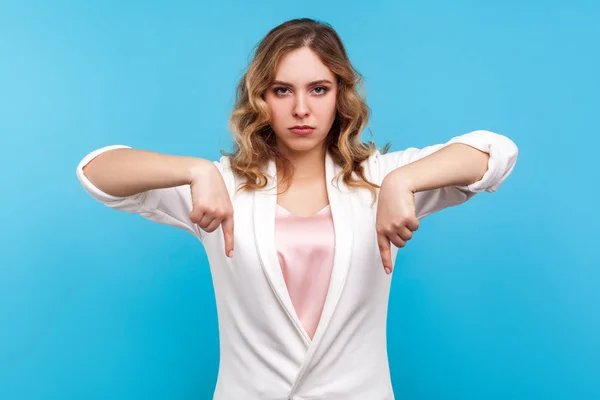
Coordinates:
[265,203]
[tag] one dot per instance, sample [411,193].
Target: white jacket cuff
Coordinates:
[503,154]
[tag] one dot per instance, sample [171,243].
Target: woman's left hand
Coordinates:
[396,216]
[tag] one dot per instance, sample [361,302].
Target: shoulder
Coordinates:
[232,180]
[223,164]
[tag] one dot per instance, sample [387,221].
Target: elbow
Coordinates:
[502,153]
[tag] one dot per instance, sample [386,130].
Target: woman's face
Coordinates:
[303,94]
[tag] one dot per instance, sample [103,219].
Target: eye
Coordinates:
[321,90]
[280,91]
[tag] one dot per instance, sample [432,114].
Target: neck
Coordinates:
[308,165]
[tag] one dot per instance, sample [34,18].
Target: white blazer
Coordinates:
[265,354]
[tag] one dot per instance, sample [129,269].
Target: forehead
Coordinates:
[301,66]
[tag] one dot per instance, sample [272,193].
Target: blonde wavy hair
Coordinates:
[253,137]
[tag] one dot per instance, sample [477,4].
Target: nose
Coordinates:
[301,108]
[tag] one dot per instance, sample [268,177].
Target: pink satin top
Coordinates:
[305,249]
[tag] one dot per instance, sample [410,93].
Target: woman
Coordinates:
[315,217]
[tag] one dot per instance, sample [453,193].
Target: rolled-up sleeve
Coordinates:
[502,151]
[169,206]
[503,154]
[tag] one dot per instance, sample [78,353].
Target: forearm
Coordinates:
[455,164]
[126,172]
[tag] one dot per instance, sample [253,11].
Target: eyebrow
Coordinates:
[318,82]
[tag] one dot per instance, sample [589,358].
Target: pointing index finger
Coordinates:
[384,249]
[227,225]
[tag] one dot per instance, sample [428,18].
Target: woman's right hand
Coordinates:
[211,205]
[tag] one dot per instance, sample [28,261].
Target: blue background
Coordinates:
[495,299]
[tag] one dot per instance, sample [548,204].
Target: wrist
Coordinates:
[402,179]
[196,168]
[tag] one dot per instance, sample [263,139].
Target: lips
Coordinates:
[302,129]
